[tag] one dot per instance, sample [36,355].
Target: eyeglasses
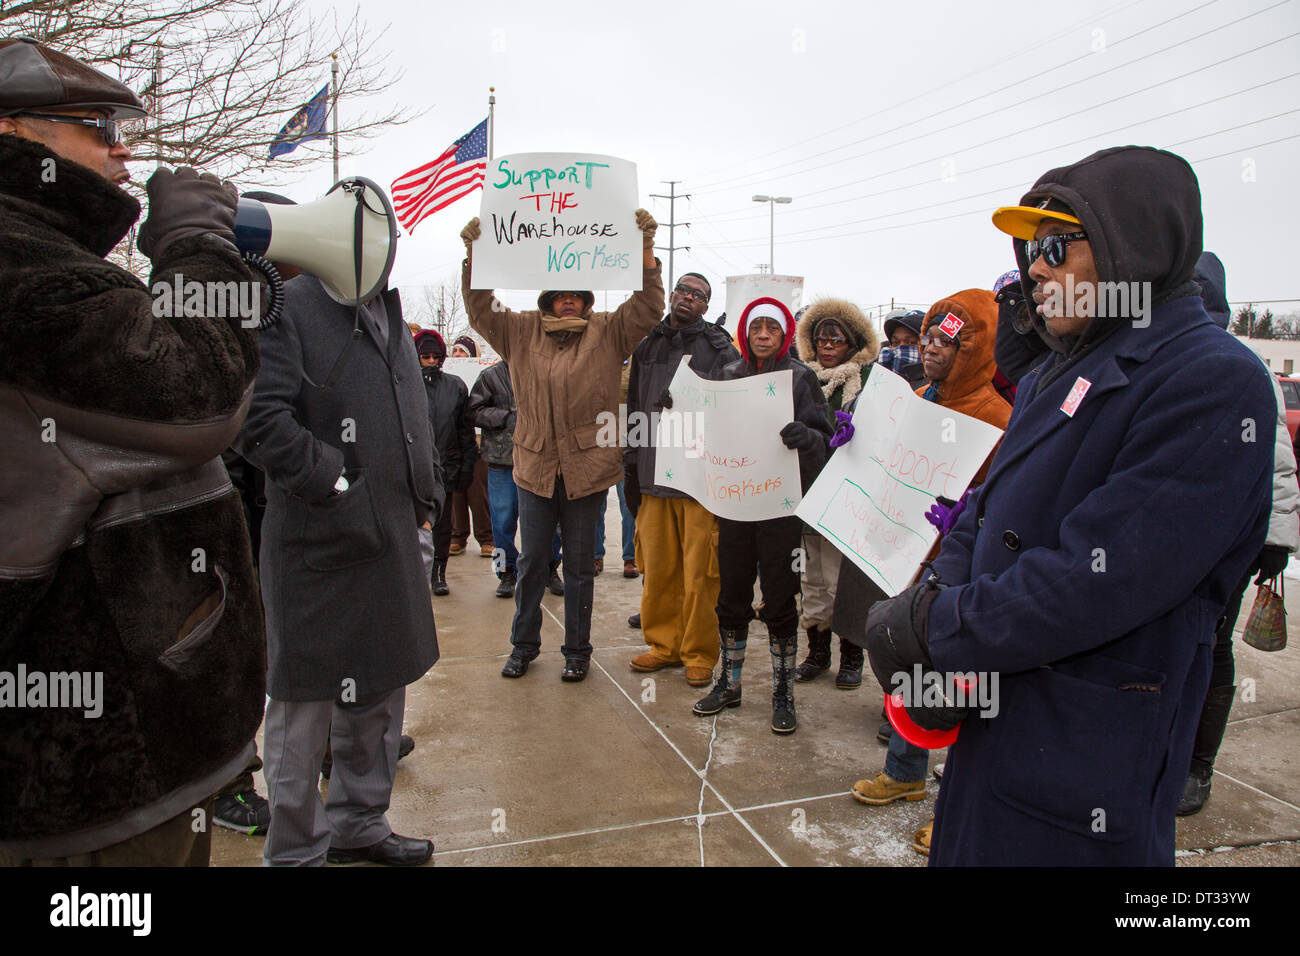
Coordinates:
[695,294]
[108,128]
[1051,248]
[831,340]
[936,339]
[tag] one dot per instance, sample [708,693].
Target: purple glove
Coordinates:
[943,514]
[844,429]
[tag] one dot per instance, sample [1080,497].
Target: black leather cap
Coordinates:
[35,77]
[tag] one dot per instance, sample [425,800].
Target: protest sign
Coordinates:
[871,498]
[720,443]
[558,221]
[742,290]
[467,369]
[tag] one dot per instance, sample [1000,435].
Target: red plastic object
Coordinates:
[913,732]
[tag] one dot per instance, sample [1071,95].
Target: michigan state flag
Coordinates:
[307,124]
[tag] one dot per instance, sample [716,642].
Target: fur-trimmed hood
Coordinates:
[847,315]
[847,377]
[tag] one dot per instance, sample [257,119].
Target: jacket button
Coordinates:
[1011,540]
[980,522]
[410,439]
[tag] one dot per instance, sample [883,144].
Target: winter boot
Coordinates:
[1209,735]
[555,584]
[506,587]
[726,692]
[819,654]
[440,579]
[850,675]
[784,651]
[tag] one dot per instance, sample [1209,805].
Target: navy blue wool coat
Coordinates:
[1090,573]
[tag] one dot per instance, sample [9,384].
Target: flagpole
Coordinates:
[492,105]
[334,71]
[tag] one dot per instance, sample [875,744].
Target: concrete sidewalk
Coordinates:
[617,770]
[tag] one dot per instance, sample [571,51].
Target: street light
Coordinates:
[771,234]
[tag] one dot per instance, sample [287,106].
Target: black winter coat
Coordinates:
[492,408]
[346,596]
[654,363]
[123,550]
[453,435]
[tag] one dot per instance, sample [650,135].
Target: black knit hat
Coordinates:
[546,298]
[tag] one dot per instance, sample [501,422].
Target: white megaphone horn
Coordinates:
[347,238]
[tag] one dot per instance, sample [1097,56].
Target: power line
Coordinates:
[1029,99]
[960,80]
[1003,162]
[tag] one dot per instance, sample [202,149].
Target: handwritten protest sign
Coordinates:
[742,290]
[468,369]
[720,443]
[558,221]
[871,498]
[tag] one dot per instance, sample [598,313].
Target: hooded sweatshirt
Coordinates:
[1143,221]
[968,388]
[842,383]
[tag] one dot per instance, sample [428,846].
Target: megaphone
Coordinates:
[347,239]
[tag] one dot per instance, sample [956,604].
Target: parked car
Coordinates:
[1291,392]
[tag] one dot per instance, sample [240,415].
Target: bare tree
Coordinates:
[440,307]
[220,77]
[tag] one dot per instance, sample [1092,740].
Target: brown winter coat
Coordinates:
[563,382]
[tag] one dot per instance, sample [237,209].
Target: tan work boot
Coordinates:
[921,838]
[885,789]
[699,676]
[648,662]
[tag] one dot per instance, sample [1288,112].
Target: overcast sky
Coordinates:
[897,128]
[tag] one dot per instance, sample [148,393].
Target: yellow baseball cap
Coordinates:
[1021,222]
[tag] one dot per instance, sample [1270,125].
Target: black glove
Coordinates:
[186,203]
[799,437]
[1272,562]
[665,399]
[631,489]
[897,640]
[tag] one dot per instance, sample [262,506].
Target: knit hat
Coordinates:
[546,298]
[428,342]
[911,319]
[468,344]
[766,307]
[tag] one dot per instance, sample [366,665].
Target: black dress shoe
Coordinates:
[635,621]
[394,851]
[405,746]
[575,669]
[515,666]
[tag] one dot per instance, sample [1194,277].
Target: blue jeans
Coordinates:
[906,762]
[503,505]
[628,526]
[537,519]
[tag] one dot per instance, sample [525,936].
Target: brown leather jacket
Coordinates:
[563,382]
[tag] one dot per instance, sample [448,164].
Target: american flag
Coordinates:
[437,184]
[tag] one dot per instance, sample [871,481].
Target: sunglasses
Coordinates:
[1051,248]
[108,128]
[936,339]
[695,294]
[831,340]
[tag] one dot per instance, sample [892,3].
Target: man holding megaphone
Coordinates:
[125,556]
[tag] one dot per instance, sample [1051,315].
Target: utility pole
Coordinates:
[334,112]
[672,197]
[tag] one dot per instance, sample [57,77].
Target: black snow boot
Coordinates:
[819,655]
[1209,735]
[726,692]
[850,675]
[506,588]
[784,650]
[439,579]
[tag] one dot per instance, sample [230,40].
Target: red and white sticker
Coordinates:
[1072,401]
[951,325]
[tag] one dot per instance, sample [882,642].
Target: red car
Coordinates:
[1291,392]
